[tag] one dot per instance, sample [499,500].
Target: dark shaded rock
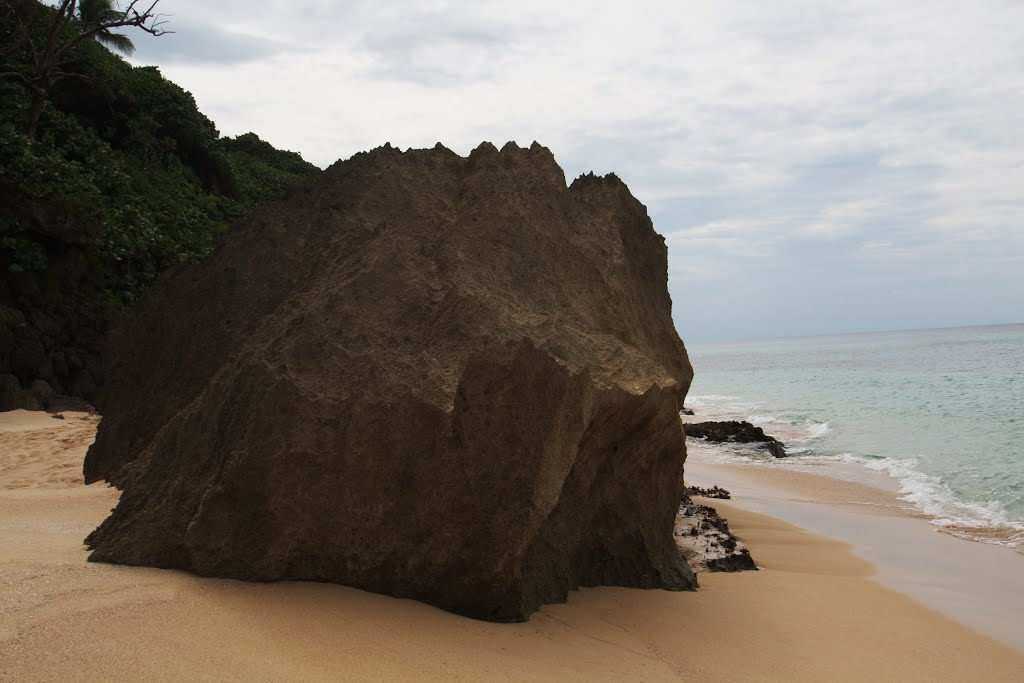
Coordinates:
[713,492]
[28,358]
[729,430]
[737,561]
[82,384]
[45,324]
[42,392]
[11,395]
[30,402]
[445,378]
[11,322]
[39,396]
[732,431]
[74,361]
[50,316]
[60,366]
[686,411]
[10,319]
[63,403]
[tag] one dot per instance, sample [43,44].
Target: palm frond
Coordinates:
[116,41]
[97,11]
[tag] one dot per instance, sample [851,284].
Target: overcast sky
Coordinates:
[815,166]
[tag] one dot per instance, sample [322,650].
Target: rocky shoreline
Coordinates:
[704,536]
[701,533]
[734,431]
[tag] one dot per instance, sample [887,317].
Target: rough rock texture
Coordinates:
[713,492]
[732,431]
[39,396]
[53,333]
[705,538]
[452,379]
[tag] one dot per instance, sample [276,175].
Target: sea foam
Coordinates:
[807,444]
[816,431]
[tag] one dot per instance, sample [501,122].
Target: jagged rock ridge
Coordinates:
[446,378]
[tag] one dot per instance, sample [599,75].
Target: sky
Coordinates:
[815,167]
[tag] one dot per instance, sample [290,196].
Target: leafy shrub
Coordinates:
[126,168]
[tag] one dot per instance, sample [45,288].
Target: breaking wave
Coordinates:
[807,444]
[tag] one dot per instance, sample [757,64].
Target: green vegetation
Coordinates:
[123,170]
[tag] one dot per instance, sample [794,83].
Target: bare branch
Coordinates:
[16,75]
[66,7]
[61,19]
[136,20]
[44,71]
[60,75]
[158,20]
[31,44]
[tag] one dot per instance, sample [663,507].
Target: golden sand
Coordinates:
[811,614]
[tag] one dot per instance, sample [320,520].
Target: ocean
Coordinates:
[940,411]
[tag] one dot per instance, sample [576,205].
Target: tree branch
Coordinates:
[60,21]
[61,18]
[137,20]
[31,44]
[59,75]
[44,70]
[16,74]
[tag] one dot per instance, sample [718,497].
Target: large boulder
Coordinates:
[445,378]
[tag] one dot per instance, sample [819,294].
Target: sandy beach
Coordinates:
[812,613]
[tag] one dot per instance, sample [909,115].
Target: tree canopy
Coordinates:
[42,41]
[124,178]
[103,14]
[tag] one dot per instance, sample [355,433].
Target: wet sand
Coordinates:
[978,584]
[812,613]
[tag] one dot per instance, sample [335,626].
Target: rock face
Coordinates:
[56,338]
[445,378]
[732,431]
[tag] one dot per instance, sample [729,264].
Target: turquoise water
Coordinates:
[941,411]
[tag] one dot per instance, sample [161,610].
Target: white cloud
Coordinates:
[858,142]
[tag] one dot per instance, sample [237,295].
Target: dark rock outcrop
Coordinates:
[52,334]
[452,379]
[738,560]
[11,395]
[705,537]
[39,396]
[732,431]
[713,492]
